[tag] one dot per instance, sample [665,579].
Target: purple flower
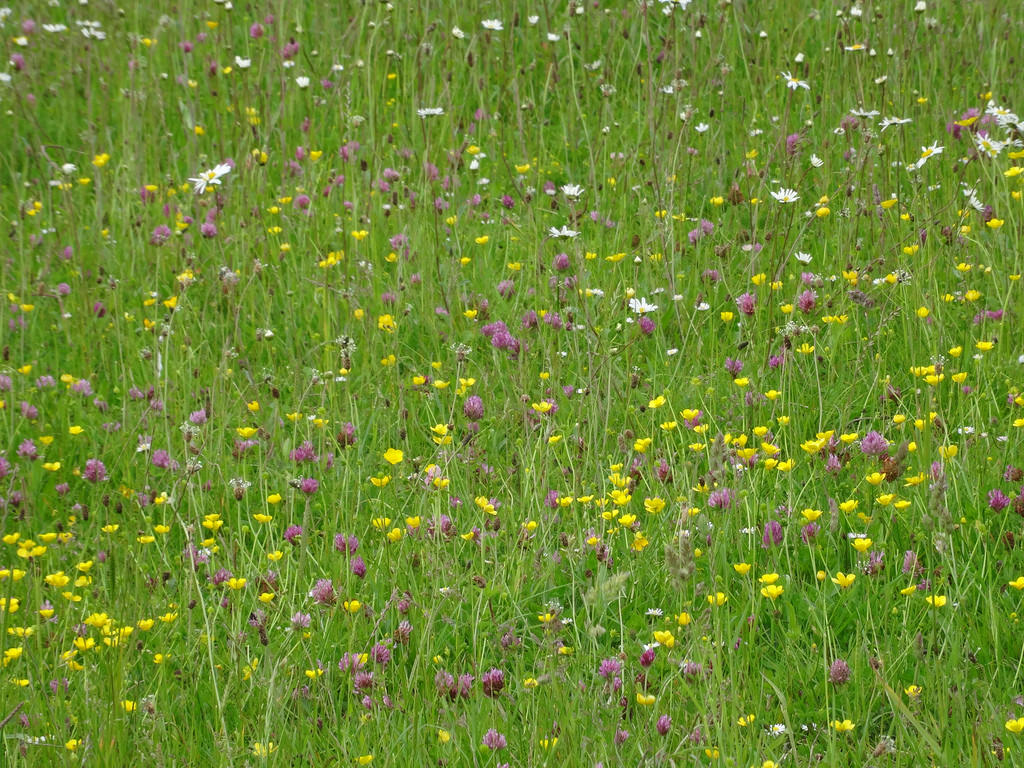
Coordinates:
[94,471]
[494,740]
[493,681]
[292,534]
[197,418]
[362,681]
[909,561]
[347,544]
[347,435]
[806,301]
[773,534]
[27,450]
[358,567]
[473,408]
[839,672]
[309,485]
[746,303]
[609,668]
[304,452]
[809,532]
[792,142]
[300,620]
[160,235]
[350,662]
[161,459]
[664,724]
[646,325]
[873,444]
[647,657]
[621,736]
[734,367]
[721,498]
[380,654]
[997,500]
[445,684]
[323,592]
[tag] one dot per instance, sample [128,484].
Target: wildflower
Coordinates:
[494,740]
[839,672]
[210,178]
[793,83]
[94,471]
[843,726]
[785,195]
[927,152]
[844,580]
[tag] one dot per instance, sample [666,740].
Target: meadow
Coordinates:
[511,383]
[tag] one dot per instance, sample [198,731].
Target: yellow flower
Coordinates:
[235,583]
[844,580]
[913,691]
[936,601]
[665,638]
[386,323]
[772,591]
[263,750]
[644,700]
[352,606]
[392,455]
[862,545]
[1015,726]
[443,736]
[842,726]
[128,705]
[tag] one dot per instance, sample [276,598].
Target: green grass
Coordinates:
[337,293]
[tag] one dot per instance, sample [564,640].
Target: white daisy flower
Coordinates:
[494,25]
[888,121]
[210,178]
[793,83]
[430,111]
[927,152]
[786,195]
[641,306]
[563,232]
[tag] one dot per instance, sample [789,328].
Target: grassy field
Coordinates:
[541,383]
